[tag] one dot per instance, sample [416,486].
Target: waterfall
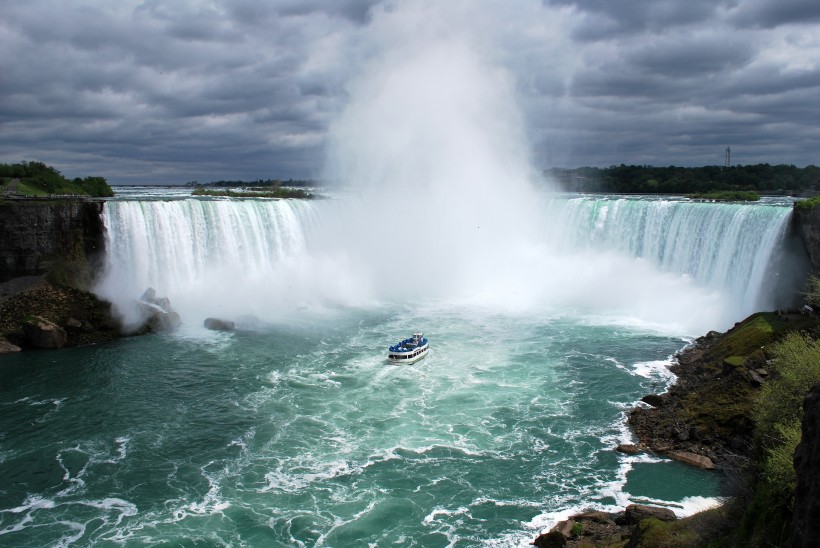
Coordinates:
[215,256]
[704,264]
[737,249]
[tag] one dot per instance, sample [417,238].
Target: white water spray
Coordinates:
[441,208]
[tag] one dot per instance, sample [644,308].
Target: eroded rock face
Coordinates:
[37,234]
[807,225]
[805,522]
[41,333]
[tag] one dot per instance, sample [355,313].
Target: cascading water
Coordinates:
[267,258]
[733,249]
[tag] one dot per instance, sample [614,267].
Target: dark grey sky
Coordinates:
[166,92]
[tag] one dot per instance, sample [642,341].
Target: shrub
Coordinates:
[778,470]
[795,368]
[812,292]
[807,204]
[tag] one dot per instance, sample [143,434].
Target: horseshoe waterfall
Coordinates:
[293,430]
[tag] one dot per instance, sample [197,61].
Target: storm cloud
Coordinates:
[166,92]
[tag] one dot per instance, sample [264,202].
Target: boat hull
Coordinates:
[408,357]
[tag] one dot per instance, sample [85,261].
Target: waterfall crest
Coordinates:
[702,265]
[727,247]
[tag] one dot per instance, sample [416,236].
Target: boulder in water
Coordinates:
[216,324]
[694,459]
[160,317]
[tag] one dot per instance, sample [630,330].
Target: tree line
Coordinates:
[257,183]
[632,179]
[39,179]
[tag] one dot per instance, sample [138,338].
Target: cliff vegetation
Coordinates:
[739,400]
[38,179]
[256,192]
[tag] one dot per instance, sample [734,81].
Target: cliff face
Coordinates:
[36,235]
[806,526]
[807,225]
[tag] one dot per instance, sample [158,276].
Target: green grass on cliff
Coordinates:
[724,404]
[39,179]
[807,204]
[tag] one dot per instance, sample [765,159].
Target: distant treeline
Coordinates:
[762,178]
[39,179]
[258,183]
[256,192]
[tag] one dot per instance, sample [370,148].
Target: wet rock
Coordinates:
[73,324]
[634,513]
[159,316]
[653,399]
[564,527]
[7,348]
[593,515]
[694,459]
[553,539]
[216,324]
[41,333]
[628,448]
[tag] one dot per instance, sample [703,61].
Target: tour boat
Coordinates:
[409,350]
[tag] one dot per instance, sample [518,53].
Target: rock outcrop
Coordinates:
[80,317]
[705,418]
[7,348]
[596,528]
[635,513]
[42,333]
[694,459]
[159,316]
[216,324]
[807,225]
[805,522]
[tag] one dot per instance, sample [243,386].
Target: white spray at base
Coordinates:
[441,207]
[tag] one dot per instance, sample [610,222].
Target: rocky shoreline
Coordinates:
[37,313]
[47,315]
[704,419]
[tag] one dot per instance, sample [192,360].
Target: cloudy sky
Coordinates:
[169,91]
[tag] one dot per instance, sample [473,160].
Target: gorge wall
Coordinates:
[38,235]
[807,225]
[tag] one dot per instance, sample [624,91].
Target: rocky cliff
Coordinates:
[38,235]
[806,526]
[807,225]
